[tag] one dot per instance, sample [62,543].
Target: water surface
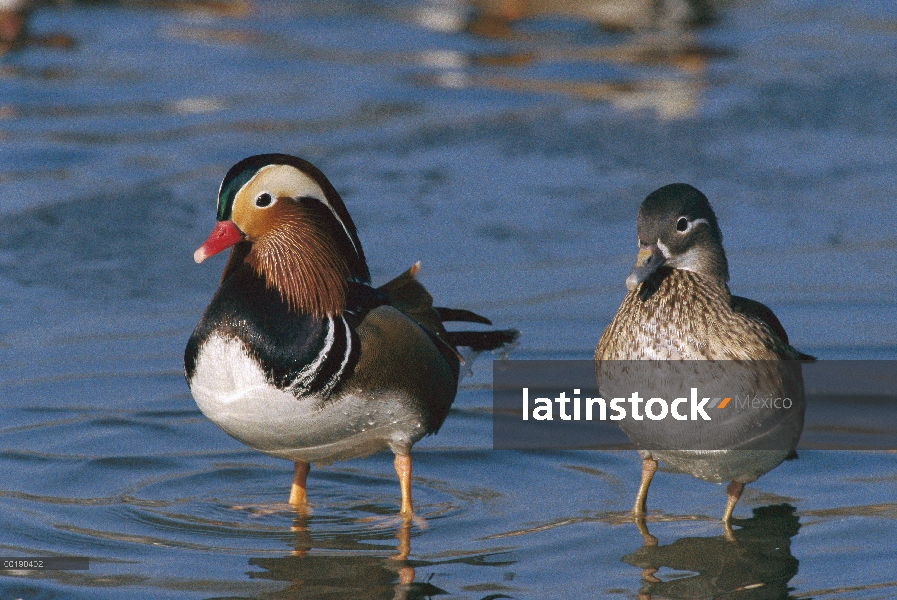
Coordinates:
[506,146]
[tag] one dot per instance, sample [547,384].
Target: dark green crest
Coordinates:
[237,177]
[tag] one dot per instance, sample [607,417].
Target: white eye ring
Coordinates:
[688,225]
[265,200]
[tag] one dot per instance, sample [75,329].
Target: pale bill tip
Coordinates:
[200,255]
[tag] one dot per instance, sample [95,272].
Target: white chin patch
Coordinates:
[690,261]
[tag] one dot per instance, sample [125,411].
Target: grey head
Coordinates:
[677,228]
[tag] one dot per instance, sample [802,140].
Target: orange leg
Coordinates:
[298,497]
[649,467]
[403,470]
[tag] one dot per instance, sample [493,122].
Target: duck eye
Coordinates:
[682,224]
[263,200]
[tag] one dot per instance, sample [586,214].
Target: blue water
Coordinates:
[507,146]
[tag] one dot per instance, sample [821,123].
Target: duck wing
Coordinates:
[757,310]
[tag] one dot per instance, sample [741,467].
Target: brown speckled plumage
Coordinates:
[678,315]
[679,308]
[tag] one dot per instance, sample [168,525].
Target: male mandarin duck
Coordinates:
[679,308]
[297,355]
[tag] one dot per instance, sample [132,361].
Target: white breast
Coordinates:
[230,388]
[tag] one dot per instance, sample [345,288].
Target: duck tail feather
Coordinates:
[481,341]
[460,315]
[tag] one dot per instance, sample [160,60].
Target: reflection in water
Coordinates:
[352,565]
[218,8]
[757,561]
[14,33]
[107,170]
[344,575]
[15,14]
[494,17]
[658,36]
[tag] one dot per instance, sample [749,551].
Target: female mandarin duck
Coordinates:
[297,355]
[679,308]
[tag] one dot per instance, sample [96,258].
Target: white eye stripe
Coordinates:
[338,220]
[689,224]
[304,186]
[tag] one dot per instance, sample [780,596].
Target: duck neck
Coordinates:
[307,271]
[709,263]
